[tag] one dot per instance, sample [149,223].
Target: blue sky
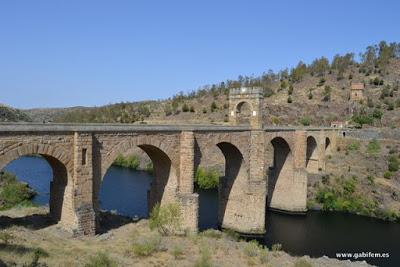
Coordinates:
[69,53]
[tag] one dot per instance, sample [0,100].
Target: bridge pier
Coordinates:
[84,221]
[188,200]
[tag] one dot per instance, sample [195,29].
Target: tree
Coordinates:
[298,72]
[319,66]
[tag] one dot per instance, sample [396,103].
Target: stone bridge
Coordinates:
[264,167]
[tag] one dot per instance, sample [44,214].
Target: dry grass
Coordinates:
[59,248]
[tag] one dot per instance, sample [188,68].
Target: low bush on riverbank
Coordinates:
[101,260]
[166,219]
[14,193]
[342,195]
[206,178]
[131,161]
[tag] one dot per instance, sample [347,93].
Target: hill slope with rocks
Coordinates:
[316,94]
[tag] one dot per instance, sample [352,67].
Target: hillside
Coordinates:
[317,93]
[11,114]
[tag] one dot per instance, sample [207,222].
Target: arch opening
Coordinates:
[48,177]
[133,192]
[311,155]
[327,145]
[243,113]
[280,173]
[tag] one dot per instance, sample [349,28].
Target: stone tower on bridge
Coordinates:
[245,106]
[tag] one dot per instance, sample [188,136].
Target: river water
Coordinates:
[316,233]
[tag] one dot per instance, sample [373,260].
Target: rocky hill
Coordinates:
[11,114]
[315,94]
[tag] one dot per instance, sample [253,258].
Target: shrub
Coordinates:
[310,95]
[252,248]
[101,259]
[289,99]
[13,192]
[371,179]
[355,145]
[146,246]
[321,81]
[302,263]
[6,237]
[305,121]
[166,219]
[290,90]
[264,256]
[185,108]
[191,109]
[276,247]
[231,234]
[387,175]
[394,163]
[373,146]
[206,178]
[213,106]
[177,252]
[205,258]
[211,233]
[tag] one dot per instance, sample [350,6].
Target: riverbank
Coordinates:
[122,246]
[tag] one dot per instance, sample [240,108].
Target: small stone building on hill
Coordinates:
[357,91]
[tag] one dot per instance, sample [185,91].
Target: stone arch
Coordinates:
[60,202]
[231,184]
[280,176]
[312,154]
[164,187]
[244,111]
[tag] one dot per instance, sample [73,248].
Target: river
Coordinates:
[315,234]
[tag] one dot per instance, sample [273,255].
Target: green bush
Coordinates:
[371,179]
[101,259]
[393,163]
[206,178]
[388,174]
[166,219]
[276,247]
[355,145]
[305,121]
[252,248]
[13,192]
[373,147]
[185,108]
[6,237]
[131,162]
[146,246]
[289,99]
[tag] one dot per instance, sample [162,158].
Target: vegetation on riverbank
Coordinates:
[14,193]
[206,178]
[342,194]
[133,162]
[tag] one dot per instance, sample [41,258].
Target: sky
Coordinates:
[94,52]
